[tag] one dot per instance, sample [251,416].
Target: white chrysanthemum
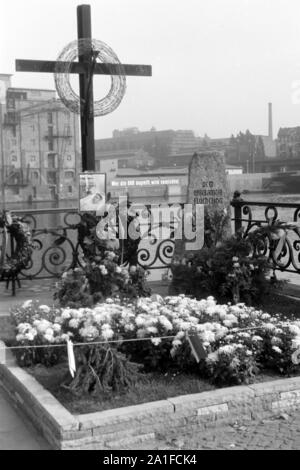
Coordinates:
[49,338]
[107,333]
[269,326]
[212,357]
[56,327]
[180,335]
[165,323]
[256,338]
[42,326]
[265,316]
[277,349]
[129,327]
[244,316]
[254,314]
[65,314]
[89,332]
[20,338]
[210,311]
[74,323]
[140,320]
[23,327]
[65,336]
[294,329]
[31,334]
[184,325]
[229,337]
[221,332]
[152,329]
[49,332]
[207,336]
[231,317]
[45,308]
[176,343]
[141,333]
[27,304]
[156,341]
[227,349]
[243,334]
[276,341]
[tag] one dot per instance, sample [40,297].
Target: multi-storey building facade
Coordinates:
[288,142]
[157,144]
[40,154]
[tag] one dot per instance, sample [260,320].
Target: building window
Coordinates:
[35,175]
[14,142]
[32,127]
[70,189]
[34,191]
[69,175]
[51,177]
[50,118]
[33,158]
[50,145]
[14,158]
[69,158]
[51,160]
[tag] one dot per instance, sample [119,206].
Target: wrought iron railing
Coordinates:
[280,245]
[56,247]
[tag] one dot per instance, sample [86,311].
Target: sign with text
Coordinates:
[144,182]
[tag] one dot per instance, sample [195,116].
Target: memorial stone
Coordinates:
[208,186]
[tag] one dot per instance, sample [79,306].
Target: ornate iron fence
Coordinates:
[280,227]
[56,246]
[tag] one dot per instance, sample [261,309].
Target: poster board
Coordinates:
[92,192]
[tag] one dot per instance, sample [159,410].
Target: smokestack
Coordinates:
[270,122]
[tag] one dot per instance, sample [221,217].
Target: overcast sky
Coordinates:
[216,63]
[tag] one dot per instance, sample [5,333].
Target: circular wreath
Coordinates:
[12,264]
[100,51]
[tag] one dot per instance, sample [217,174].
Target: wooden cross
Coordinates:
[86,67]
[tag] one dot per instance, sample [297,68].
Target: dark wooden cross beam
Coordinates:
[86,67]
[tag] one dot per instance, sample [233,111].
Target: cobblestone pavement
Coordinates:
[275,433]
[278,433]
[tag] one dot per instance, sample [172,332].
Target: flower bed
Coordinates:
[139,330]
[233,356]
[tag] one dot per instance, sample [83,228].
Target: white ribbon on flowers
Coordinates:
[71,358]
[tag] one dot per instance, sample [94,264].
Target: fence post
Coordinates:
[237,203]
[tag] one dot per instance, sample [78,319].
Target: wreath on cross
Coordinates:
[14,261]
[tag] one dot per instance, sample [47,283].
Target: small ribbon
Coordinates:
[71,358]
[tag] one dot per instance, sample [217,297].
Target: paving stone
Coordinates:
[15,432]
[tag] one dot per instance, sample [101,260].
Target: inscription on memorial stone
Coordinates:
[208,185]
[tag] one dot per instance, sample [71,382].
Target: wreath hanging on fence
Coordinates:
[12,263]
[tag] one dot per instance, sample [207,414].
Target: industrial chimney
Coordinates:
[270,121]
